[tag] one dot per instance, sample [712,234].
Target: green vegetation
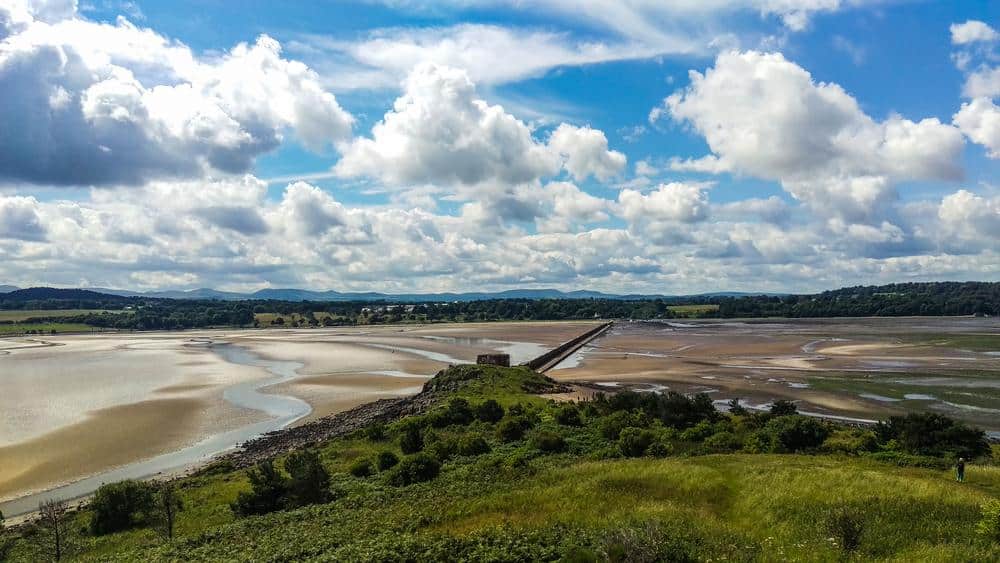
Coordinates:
[42,328]
[20,316]
[627,477]
[79,307]
[693,310]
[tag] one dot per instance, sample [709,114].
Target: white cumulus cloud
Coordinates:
[110,104]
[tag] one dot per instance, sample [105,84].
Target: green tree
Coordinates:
[168,504]
[268,489]
[120,506]
[309,481]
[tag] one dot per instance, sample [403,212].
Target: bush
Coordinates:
[362,468]
[698,432]
[724,441]
[852,441]
[411,441]
[789,434]
[386,461]
[441,448]
[120,506]
[847,527]
[267,491]
[548,441]
[659,449]
[309,481]
[611,426]
[512,428]
[672,409]
[473,445]
[989,525]
[376,432]
[633,442]
[933,434]
[458,411]
[414,469]
[568,415]
[489,411]
[783,408]
[902,459]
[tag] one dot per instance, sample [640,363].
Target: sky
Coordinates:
[626,146]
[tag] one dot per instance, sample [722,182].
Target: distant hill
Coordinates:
[54,294]
[8,288]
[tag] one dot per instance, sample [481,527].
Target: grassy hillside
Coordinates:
[568,490]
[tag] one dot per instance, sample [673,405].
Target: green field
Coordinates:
[267,319]
[692,310]
[21,315]
[43,328]
[583,501]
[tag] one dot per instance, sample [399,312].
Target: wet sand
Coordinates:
[78,405]
[829,366]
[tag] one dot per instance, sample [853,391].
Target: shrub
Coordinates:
[611,426]
[441,448]
[902,459]
[783,408]
[568,415]
[847,527]
[933,434]
[414,469]
[411,441]
[267,491]
[548,441]
[309,481]
[362,468]
[489,411]
[512,428]
[473,445]
[852,441]
[795,433]
[659,449]
[457,411]
[120,506]
[698,432]
[724,441]
[376,432]
[989,525]
[386,460]
[633,442]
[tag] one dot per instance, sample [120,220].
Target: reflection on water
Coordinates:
[282,410]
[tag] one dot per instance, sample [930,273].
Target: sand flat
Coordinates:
[105,438]
[77,405]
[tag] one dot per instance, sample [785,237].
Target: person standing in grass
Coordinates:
[960,470]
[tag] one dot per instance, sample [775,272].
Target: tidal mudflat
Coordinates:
[850,368]
[78,410]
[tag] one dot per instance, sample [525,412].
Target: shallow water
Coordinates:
[282,411]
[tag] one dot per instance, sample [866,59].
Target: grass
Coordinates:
[516,503]
[693,310]
[22,315]
[974,342]
[43,328]
[265,319]
[765,507]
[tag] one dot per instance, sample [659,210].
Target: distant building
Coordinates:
[493,360]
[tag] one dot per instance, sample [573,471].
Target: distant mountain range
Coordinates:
[307,295]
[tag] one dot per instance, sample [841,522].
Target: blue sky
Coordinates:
[409,145]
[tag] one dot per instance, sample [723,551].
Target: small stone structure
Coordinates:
[493,360]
